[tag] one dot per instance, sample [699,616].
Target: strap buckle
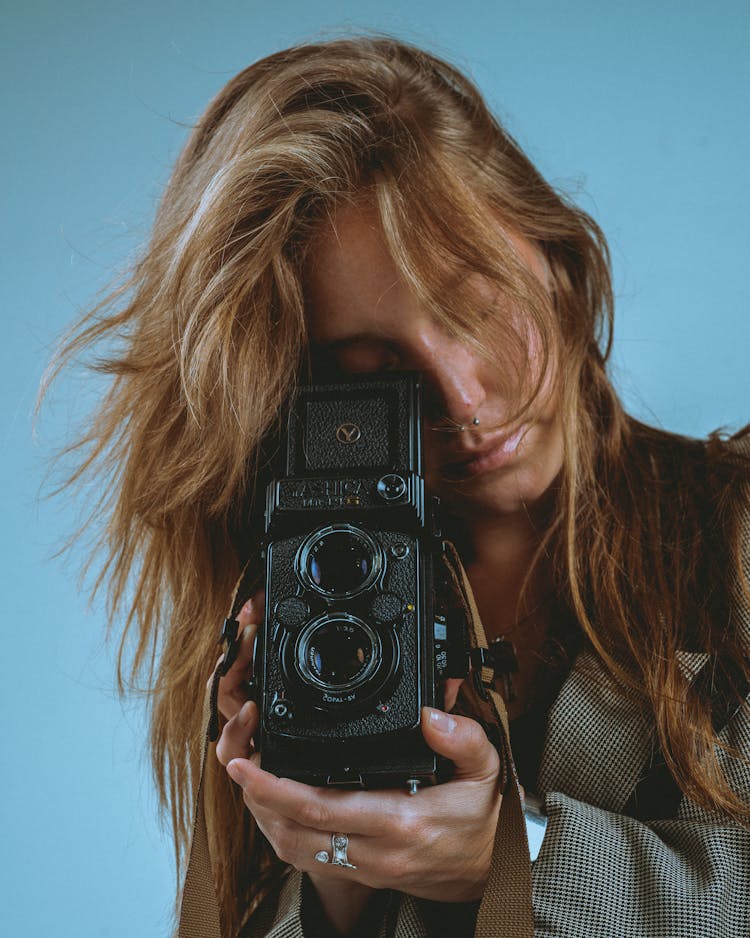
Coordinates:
[229,632]
[501,659]
[479,659]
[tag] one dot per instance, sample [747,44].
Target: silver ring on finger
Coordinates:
[339,845]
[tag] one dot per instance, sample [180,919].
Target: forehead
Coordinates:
[351,278]
[349,271]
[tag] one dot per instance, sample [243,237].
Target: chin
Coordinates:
[518,488]
[487,497]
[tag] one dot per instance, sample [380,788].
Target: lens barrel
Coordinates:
[339,561]
[337,652]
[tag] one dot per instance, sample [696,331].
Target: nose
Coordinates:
[453,388]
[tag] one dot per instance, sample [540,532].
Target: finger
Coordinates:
[298,846]
[252,612]
[452,687]
[232,690]
[369,813]
[249,618]
[233,685]
[236,738]
[463,741]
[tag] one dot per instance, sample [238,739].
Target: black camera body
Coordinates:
[357,636]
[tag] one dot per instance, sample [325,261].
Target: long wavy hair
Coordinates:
[206,340]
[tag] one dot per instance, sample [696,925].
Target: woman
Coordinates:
[354,202]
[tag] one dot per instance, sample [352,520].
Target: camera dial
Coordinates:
[339,561]
[391,487]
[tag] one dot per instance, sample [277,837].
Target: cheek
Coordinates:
[539,370]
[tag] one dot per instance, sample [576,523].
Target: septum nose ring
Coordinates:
[457,427]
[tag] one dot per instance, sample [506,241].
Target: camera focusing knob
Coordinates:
[291,612]
[386,608]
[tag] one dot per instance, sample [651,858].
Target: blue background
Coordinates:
[640,110]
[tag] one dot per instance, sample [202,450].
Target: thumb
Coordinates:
[463,741]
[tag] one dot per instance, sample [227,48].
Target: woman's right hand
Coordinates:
[234,704]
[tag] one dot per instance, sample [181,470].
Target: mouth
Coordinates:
[499,453]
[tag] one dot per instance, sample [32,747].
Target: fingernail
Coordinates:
[234,768]
[248,607]
[442,722]
[246,713]
[248,632]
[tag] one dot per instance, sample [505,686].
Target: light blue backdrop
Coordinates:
[641,109]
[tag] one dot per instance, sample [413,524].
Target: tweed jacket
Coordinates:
[600,872]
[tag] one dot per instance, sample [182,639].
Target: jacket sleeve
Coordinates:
[602,873]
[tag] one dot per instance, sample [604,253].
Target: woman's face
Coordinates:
[361,311]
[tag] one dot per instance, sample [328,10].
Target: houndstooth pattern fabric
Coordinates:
[600,874]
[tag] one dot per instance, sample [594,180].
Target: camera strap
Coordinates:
[199,907]
[506,907]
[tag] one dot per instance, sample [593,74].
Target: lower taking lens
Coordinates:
[338,653]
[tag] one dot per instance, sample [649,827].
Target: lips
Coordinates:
[493,455]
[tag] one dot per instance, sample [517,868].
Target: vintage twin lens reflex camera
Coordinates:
[357,635]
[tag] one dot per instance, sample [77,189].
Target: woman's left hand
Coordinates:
[436,844]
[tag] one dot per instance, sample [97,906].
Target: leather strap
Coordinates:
[200,916]
[506,908]
[199,908]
